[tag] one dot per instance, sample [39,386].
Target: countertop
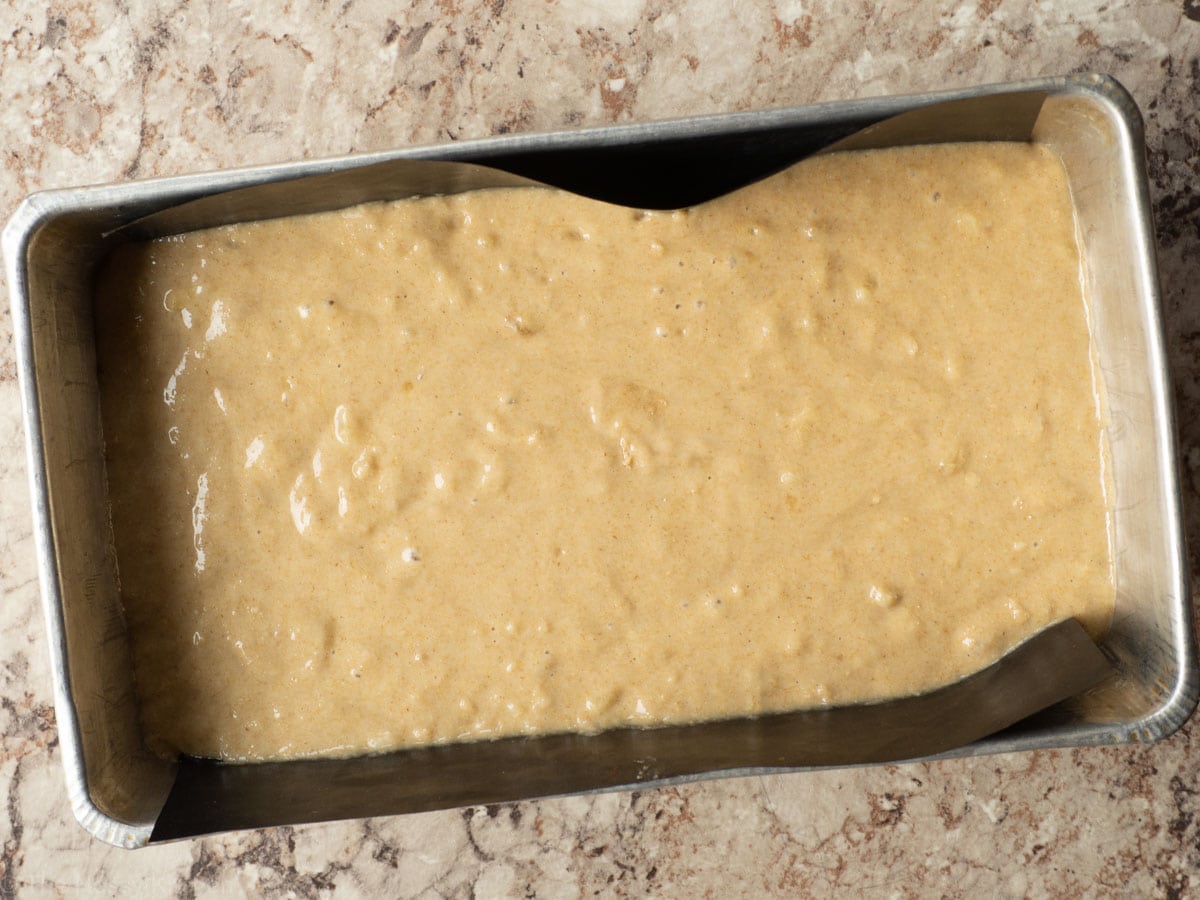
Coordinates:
[94,91]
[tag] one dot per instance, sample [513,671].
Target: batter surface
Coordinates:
[515,461]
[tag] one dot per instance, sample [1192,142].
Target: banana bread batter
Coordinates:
[514,461]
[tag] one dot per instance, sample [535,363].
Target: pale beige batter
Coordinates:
[515,461]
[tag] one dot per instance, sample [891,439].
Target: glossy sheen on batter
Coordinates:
[515,461]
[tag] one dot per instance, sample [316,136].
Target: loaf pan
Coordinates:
[124,795]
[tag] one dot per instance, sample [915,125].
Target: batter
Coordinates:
[513,461]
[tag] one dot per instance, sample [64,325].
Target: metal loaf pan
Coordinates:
[124,795]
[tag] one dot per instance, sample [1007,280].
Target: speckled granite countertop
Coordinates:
[94,91]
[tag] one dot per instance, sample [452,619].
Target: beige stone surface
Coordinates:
[94,91]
